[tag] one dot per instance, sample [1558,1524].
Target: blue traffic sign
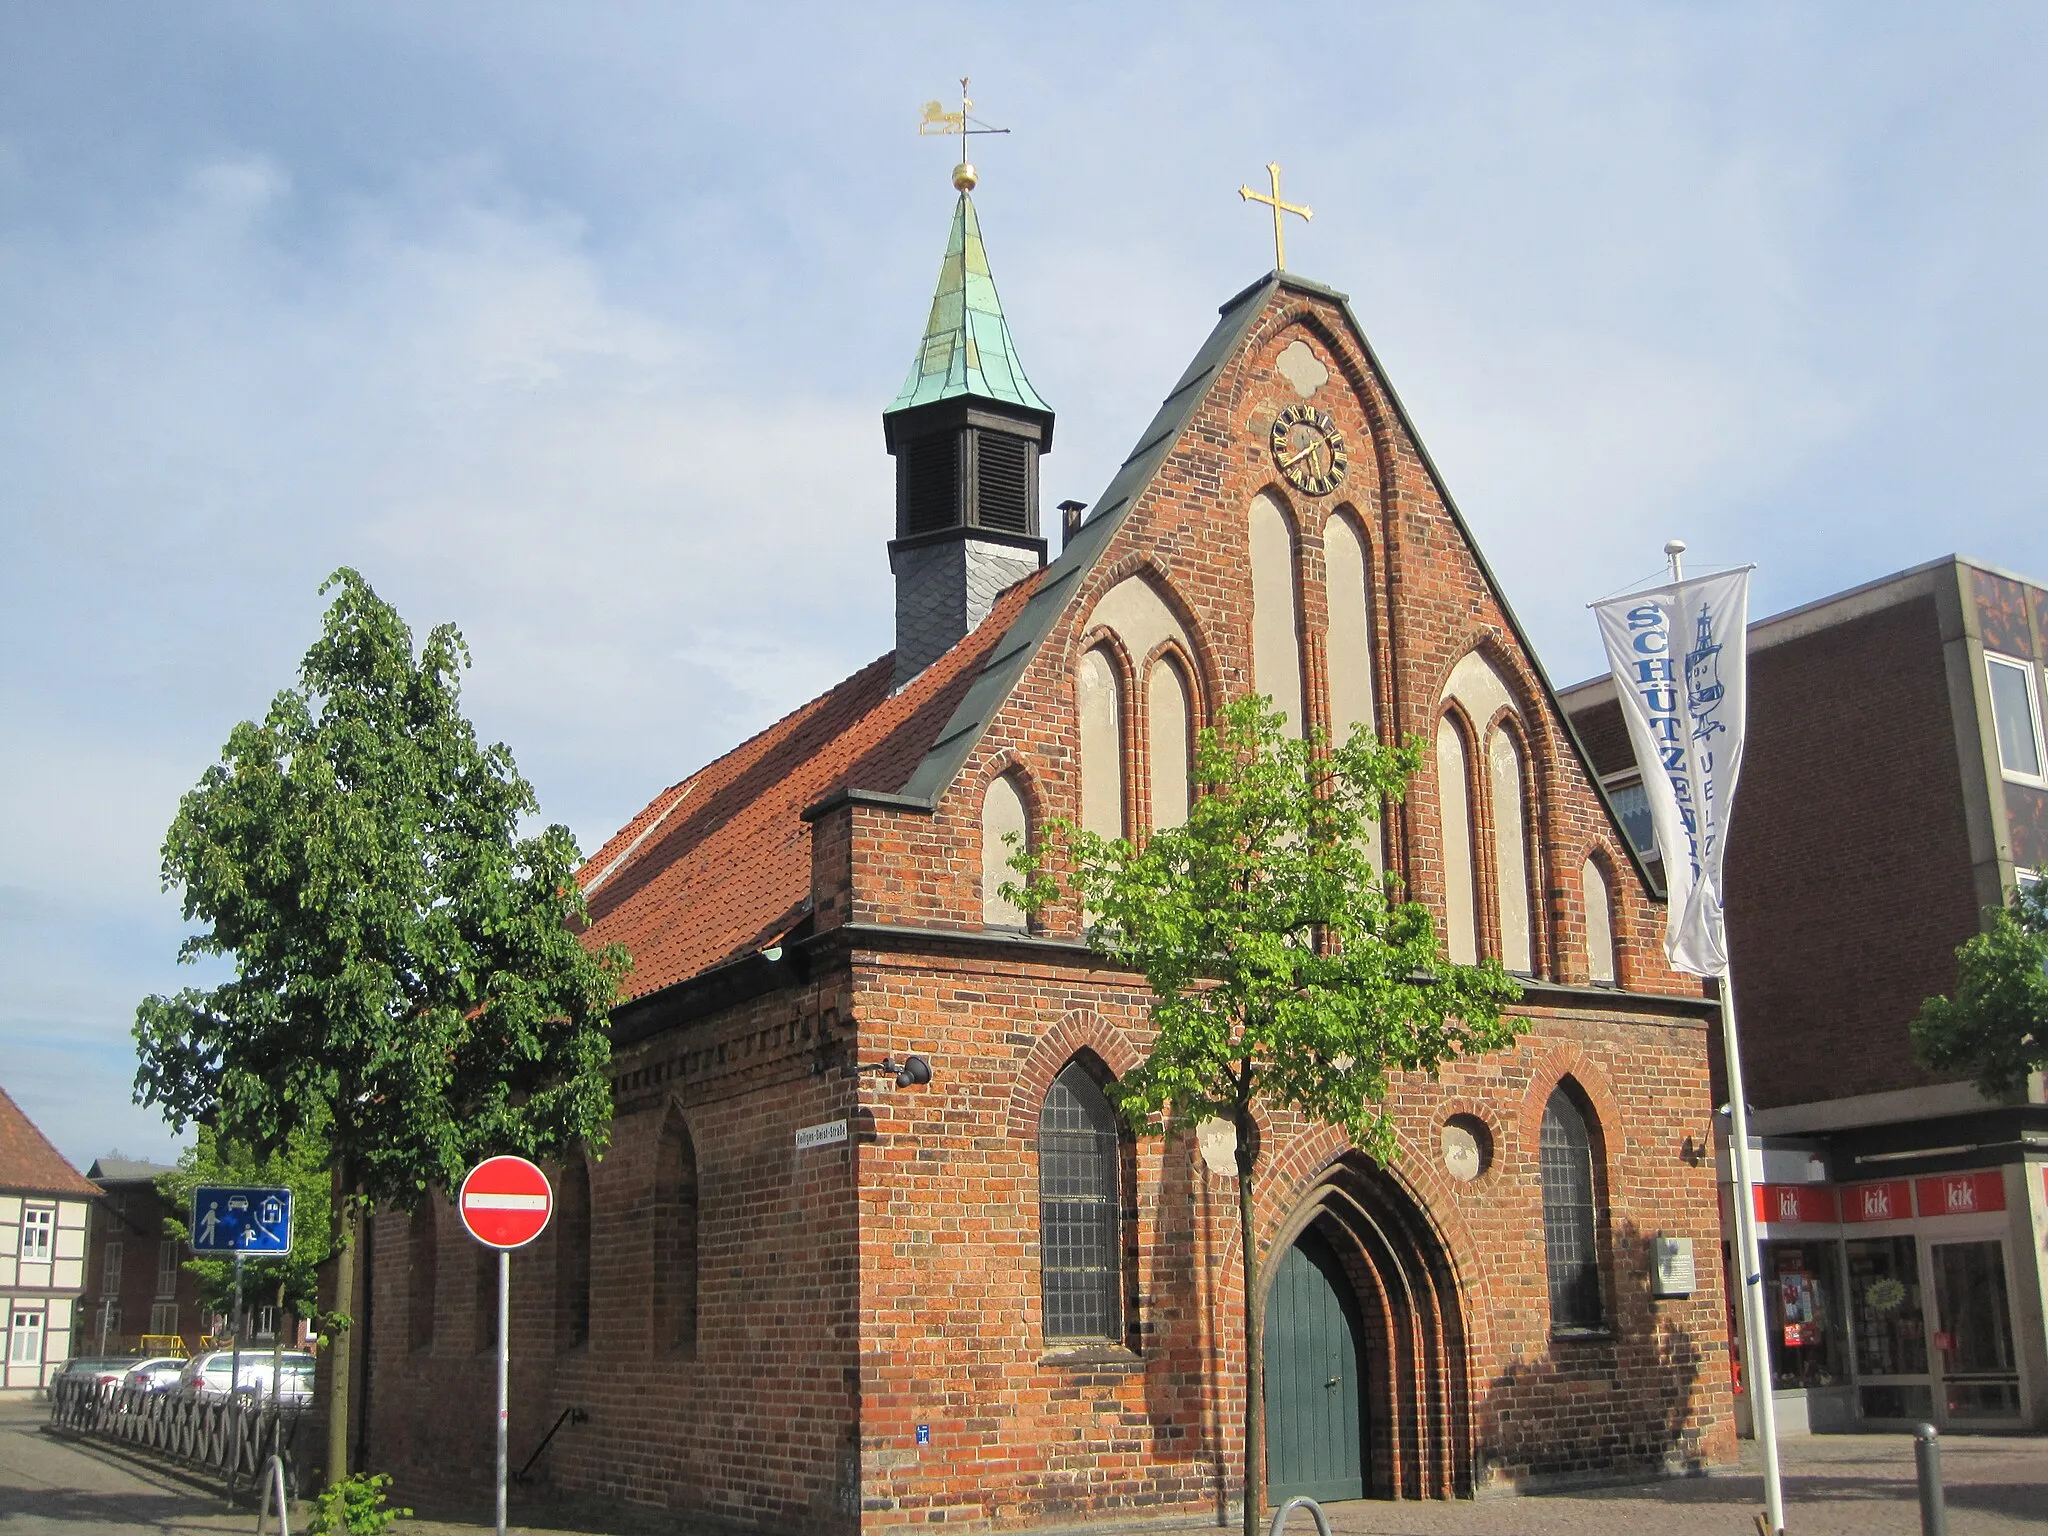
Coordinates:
[234,1218]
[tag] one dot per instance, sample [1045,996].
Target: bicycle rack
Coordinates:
[273,1479]
[1280,1516]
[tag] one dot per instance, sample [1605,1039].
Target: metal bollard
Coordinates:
[1927,1464]
[1316,1510]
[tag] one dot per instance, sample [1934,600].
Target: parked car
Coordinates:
[94,1368]
[153,1375]
[207,1377]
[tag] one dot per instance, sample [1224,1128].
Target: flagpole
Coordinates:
[1756,1343]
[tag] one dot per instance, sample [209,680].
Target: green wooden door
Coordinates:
[1314,1379]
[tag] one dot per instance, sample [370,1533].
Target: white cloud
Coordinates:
[574,329]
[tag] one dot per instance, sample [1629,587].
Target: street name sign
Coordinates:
[505,1202]
[241,1220]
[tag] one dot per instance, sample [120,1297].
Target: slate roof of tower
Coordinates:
[967,348]
[719,865]
[29,1164]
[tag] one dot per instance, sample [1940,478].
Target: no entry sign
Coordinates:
[505,1202]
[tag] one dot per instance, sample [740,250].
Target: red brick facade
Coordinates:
[848,1294]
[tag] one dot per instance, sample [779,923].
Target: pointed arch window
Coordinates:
[422,1243]
[1002,816]
[1454,816]
[1510,853]
[675,1216]
[572,1256]
[1079,1229]
[1570,1220]
[1102,744]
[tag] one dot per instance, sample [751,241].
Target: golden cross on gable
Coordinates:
[1278,207]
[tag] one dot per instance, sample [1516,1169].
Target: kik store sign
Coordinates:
[1954,1194]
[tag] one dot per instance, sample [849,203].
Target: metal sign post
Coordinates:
[235,1335]
[505,1203]
[504,1372]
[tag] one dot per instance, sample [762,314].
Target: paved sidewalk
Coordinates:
[57,1487]
[1837,1485]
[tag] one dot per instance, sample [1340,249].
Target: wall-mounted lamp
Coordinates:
[912,1069]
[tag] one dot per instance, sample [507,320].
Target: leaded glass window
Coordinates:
[1570,1242]
[1079,1252]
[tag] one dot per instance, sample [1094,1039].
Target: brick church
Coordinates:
[799,1294]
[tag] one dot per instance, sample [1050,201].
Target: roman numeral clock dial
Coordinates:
[1309,449]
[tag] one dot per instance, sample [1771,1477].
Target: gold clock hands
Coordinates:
[1294,459]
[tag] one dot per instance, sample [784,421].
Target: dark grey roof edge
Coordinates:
[942,764]
[849,796]
[1500,595]
[1020,643]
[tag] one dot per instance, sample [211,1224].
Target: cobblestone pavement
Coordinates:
[1837,1485]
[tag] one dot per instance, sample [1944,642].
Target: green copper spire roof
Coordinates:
[967,348]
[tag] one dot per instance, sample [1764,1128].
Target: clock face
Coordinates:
[1309,449]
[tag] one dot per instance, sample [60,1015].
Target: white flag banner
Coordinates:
[1680,660]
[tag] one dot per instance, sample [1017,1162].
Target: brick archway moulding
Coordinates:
[1567,1059]
[1081,1030]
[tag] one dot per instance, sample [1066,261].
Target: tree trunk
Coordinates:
[1254,1395]
[346,1219]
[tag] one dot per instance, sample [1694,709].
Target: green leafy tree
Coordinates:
[303,1164]
[407,981]
[1284,970]
[1996,1025]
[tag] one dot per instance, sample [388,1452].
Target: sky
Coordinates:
[572,325]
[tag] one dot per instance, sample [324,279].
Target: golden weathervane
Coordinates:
[937,121]
[1278,207]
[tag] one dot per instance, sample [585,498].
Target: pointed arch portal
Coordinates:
[1366,1283]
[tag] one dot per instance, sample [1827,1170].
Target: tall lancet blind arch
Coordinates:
[422,1267]
[572,1256]
[1510,853]
[1276,624]
[1349,648]
[1002,815]
[1169,713]
[1102,745]
[1079,1252]
[1570,1237]
[676,1213]
[1599,923]
[1454,827]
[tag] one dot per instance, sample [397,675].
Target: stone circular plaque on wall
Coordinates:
[1467,1147]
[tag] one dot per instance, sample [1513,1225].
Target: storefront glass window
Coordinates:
[1888,1334]
[1807,1344]
[1884,1307]
[1978,1375]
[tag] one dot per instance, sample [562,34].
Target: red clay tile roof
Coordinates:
[721,863]
[29,1164]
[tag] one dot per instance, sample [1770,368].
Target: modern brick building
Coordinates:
[139,1295]
[44,1203]
[1892,789]
[806,1297]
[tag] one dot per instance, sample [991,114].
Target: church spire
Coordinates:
[966,431]
[967,348]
